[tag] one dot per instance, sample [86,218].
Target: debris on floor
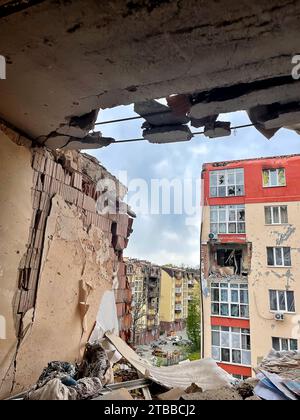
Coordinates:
[225,393]
[111,370]
[279,376]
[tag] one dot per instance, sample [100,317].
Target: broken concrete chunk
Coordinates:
[197,123]
[92,141]
[172,395]
[283,120]
[168,134]
[218,129]
[163,115]
[79,126]
[221,394]
[180,104]
[193,389]
[258,115]
[56,141]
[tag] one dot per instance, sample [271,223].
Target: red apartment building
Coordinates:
[250,260]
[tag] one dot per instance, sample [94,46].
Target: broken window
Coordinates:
[227,183]
[284,344]
[279,256]
[231,345]
[230,258]
[282,301]
[274,178]
[276,215]
[227,219]
[230,300]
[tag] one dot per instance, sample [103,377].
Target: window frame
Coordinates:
[275,257]
[279,214]
[280,339]
[227,173]
[229,302]
[227,222]
[270,170]
[232,333]
[285,311]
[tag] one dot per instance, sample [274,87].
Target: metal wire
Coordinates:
[197,133]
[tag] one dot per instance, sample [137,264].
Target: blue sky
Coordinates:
[165,239]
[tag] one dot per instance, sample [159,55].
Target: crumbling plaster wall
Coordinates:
[15,219]
[58,259]
[73,254]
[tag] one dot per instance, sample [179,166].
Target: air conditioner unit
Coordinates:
[279,316]
[213,236]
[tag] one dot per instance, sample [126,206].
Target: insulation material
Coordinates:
[204,373]
[107,318]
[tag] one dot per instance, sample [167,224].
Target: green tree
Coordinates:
[194,324]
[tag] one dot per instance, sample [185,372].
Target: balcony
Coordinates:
[178,290]
[155,272]
[178,307]
[231,260]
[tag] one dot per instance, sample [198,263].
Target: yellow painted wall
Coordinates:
[167,295]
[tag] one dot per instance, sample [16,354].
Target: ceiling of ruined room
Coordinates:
[67,58]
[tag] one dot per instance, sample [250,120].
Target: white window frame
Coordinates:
[279,214]
[226,173]
[277,178]
[282,256]
[228,209]
[281,347]
[229,302]
[231,331]
[284,311]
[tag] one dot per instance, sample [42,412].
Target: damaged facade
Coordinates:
[176,285]
[61,259]
[144,279]
[250,260]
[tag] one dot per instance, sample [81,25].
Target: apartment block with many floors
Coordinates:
[144,279]
[175,293]
[250,260]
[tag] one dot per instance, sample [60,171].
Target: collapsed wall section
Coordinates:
[69,258]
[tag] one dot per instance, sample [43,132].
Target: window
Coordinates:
[279,256]
[230,300]
[231,345]
[282,301]
[227,183]
[287,344]
[274,178]
[276,215]
[227,219]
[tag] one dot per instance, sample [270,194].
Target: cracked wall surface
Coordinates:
[58,258]
[263,278]
[68,59]
[15,219]
[263,274]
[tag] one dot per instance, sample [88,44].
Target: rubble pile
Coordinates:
[111,370]
[279,376]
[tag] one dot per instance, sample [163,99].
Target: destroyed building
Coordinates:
[61,258]
[66,60]
[250,260]
[144,279]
